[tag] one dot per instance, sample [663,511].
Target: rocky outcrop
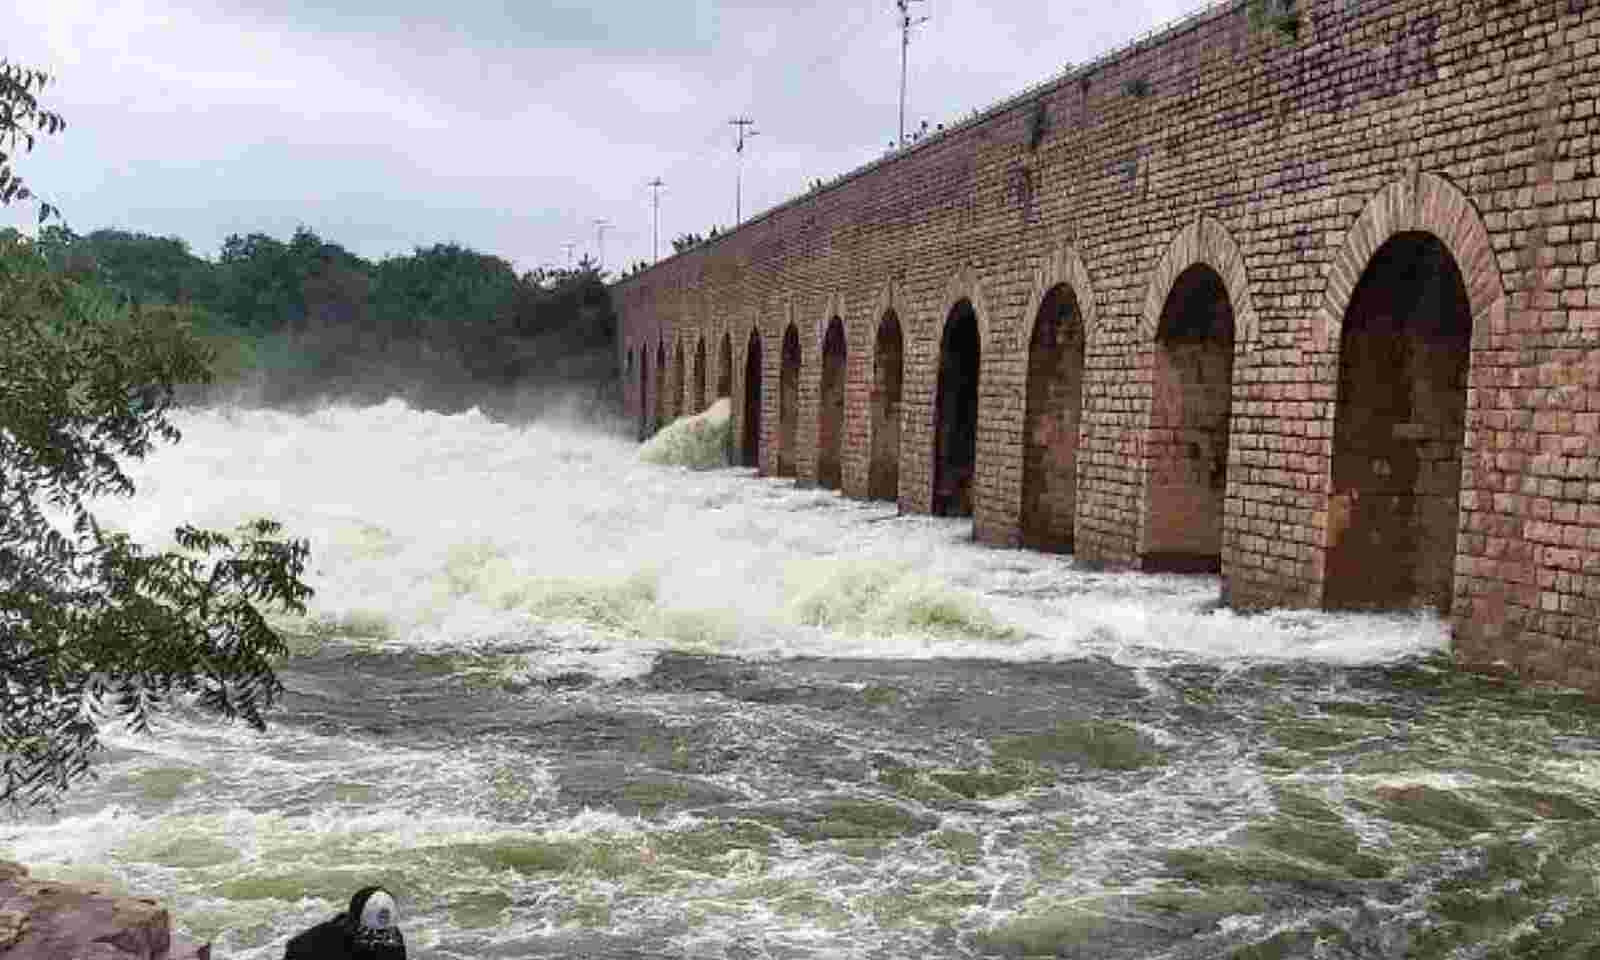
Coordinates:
[49,920]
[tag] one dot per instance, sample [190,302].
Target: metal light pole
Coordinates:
[655,202]
[906,23]
[738,172]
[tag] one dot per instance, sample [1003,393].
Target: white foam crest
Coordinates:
[433,530]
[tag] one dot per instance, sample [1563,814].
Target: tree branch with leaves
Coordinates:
[94,626]
[21,121]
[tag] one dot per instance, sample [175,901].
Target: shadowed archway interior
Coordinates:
[955,423]
[830,413]
[1187,442]
[1050,425]
[1404,351]
[725,367]
[697,395]
[675,400]
[751,447]
[788,402]
[662,381]
[883,472]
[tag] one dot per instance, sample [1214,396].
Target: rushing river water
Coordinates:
[568,704]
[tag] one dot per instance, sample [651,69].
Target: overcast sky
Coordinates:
[508,127]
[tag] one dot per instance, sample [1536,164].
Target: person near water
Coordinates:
[369,930]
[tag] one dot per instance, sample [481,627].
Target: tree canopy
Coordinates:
[94,626]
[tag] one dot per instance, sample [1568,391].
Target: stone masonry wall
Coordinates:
[1287,166]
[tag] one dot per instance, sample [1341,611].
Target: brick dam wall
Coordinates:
[1315,306]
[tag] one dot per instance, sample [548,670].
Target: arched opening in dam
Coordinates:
[1187,441]
[830,412]
[697,397]
[1398,429]
[751,447]
[661,386]
[675,402]
[883,474]
[1050,424]
[955,423]
[644,393]
[789,402]
[725,367]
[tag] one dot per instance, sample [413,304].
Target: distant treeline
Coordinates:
[306,320]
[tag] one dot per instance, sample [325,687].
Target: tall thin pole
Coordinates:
[738,172]
[655,202]
[906,23]
[601,225]
[569,246]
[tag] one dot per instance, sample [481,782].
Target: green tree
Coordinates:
[21,121]
[94,626]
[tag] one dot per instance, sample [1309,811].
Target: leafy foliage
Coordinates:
[92,624]
[21,119]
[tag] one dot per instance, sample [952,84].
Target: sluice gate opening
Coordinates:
[644,394]
[955,425]
[697,397]
[1398,429]
[661,387]
[1050,425]
[1187,441]
[751,447]
[888,374]
[725,367]
[830,413]
[788,402]
[675,401]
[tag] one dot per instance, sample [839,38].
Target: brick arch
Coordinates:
[745,430]
[827,423]
[883,425]
[832,307]
[889,298]
[1064,265]
[1185,537]
[790,433]
[1204,241]
[1043,501]
[696,384]
[1422,202]
[965,284]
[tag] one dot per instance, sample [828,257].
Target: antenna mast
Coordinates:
[738,201]
[906,23]
[655,202]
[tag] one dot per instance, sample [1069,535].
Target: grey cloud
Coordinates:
[509,126]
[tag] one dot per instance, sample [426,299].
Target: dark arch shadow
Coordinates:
[955,423]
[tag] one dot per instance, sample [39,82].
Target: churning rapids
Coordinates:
[568,704]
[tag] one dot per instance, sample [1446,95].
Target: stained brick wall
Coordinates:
[1290,168]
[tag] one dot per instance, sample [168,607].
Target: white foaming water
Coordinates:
[461,532]
[555,547]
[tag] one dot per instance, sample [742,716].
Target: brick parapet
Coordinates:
[1476,122]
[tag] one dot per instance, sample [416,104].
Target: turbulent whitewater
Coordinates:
[566,702]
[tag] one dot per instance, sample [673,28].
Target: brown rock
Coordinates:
[45,920]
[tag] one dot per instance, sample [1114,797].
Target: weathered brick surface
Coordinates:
[1287,168]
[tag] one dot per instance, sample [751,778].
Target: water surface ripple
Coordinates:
[568,704]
